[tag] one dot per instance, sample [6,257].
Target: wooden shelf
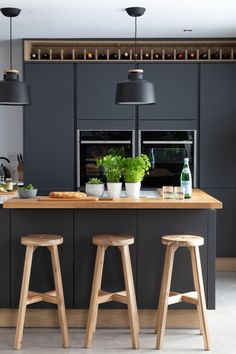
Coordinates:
[113,51]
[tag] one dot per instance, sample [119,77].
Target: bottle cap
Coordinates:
[186,159]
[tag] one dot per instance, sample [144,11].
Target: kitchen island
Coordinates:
[147,219]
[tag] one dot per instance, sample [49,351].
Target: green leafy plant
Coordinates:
[94,180]
[28,187]
[113,167]
[135,168]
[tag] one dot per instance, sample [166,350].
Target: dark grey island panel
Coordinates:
[5,258]
[152,225]
[77,253]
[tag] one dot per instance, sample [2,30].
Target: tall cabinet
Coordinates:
[218,147]
[49,123]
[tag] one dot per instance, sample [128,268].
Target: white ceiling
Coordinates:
[107,19]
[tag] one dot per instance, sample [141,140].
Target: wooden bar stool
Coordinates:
[167,297]
[99,296]
[30,297]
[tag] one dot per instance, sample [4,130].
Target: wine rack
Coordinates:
[123,50]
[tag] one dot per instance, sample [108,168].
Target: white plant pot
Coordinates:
[96,190]
[114,189]
[133,189]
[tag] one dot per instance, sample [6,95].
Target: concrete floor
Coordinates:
[222,323]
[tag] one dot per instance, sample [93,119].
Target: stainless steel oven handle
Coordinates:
[105,142]
[167,142]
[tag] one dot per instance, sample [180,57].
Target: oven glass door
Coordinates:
[94,145]
[167,157]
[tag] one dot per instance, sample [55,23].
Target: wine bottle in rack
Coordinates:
[56,56]
[225,56]
[215,56]
[102,56]
[80,56]
[113,56]
[68,56]
[192,55]
[34,56]
[168,56]
[136,56]
[124,56]
[45,56]
[203,56]
[180,56]
[146,56]
[157,56]
[90,56]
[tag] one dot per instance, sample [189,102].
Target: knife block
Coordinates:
[20,171]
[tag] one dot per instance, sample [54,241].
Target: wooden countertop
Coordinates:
[199,200]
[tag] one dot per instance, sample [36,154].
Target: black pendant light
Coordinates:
[12,91]
[136,90]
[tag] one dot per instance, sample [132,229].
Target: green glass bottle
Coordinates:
[186,179]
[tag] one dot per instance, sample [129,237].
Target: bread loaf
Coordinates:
[67,195]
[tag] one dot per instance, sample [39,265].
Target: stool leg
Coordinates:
[93,307]
[23,297]
[198,282]
[195,286]
[130,292]
[164,294]
[60,295]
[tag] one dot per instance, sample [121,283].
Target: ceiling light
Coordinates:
[12,91]
[136,90]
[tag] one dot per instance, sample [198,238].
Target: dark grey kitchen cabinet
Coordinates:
[225,222]
[96,91]
[152,225]
[25,222]
[218,126]
[49,127]
[93,222]
[176,89]
[5,258]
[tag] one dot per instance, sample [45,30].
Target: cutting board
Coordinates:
[8,193]
[87,199]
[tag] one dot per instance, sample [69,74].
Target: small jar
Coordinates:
[9,184]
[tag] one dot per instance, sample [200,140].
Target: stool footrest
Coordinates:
[105,296]
[190,297]
[34,297]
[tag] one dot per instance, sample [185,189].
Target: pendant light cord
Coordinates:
[11,43]
[135,43]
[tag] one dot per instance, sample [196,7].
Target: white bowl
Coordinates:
[31,193]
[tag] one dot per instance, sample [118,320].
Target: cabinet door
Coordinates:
[26,222]
[152,225]
[176,89]
[96,91]
[225,222]
[93,222]
[5,258]
[218,126]
[49,127]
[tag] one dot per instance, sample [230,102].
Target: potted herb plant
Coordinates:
[113,168]
[135,169]
[95,187]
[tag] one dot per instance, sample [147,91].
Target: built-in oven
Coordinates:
[166,151]
[92,145]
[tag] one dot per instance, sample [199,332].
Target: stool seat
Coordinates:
[42,240]
[183,240]
[113,240]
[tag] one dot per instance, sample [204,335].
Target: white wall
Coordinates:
[11,118]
